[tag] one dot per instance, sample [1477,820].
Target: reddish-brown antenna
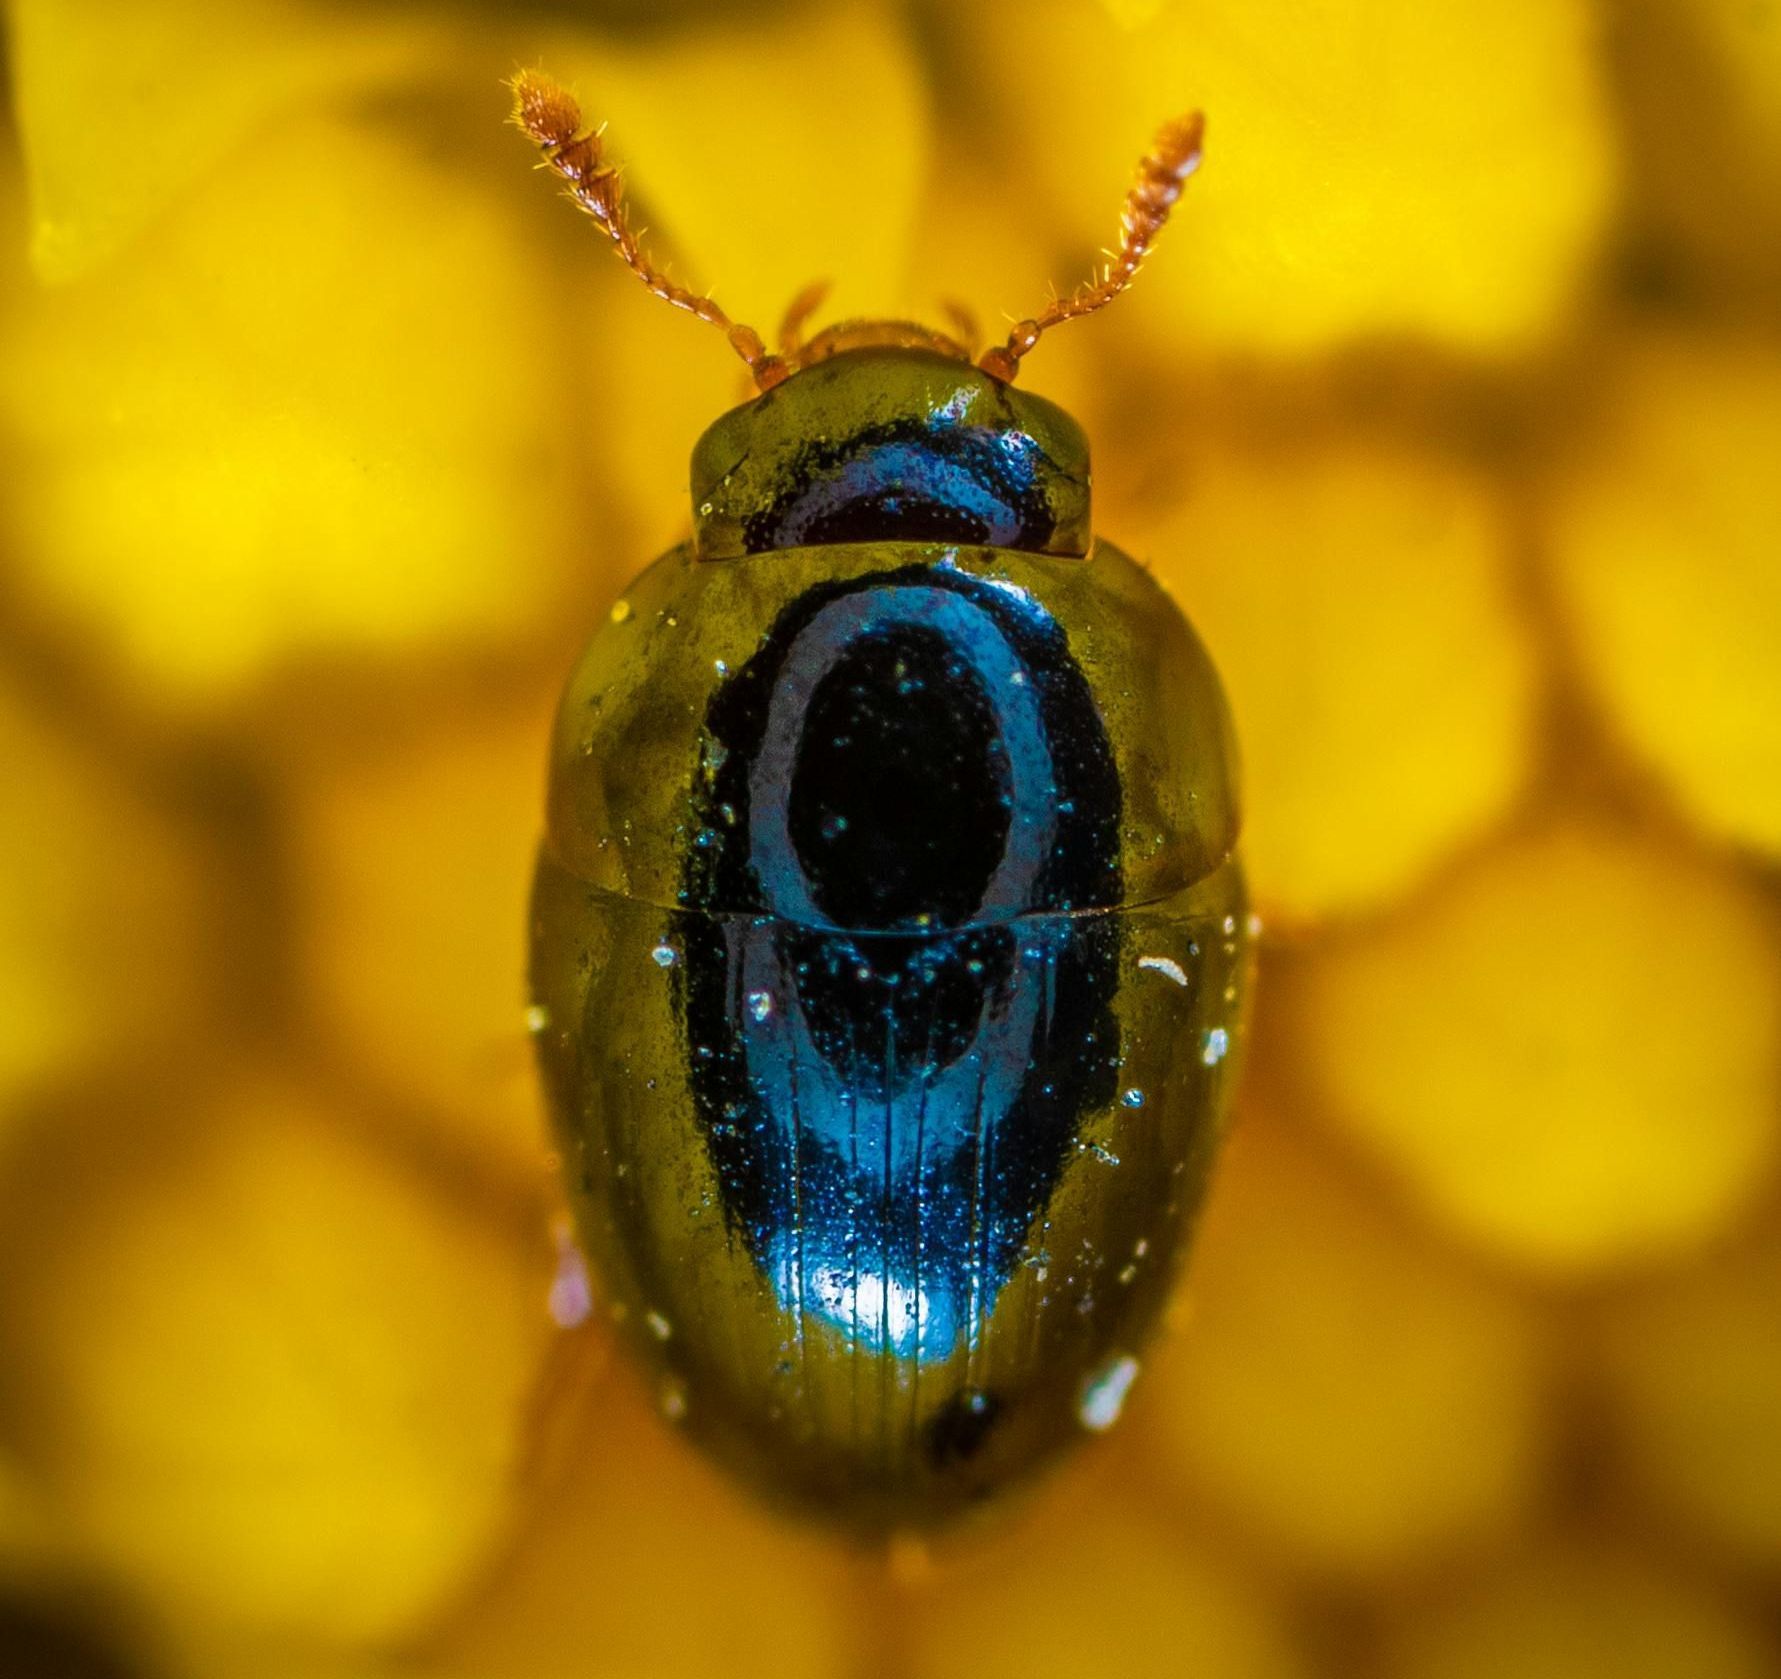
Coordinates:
[549,117]
[1164,171]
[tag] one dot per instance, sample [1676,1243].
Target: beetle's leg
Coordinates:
[798,312]
[1162,173]
[549,117]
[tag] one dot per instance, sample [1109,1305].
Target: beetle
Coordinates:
[889,942]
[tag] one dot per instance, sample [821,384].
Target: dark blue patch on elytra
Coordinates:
[897,1028]
[901,794]
[913,749]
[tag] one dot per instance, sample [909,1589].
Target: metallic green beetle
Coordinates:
[889,943]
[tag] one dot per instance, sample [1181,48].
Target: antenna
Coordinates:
[1164,170]
[547,114]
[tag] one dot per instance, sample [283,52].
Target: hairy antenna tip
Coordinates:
[544,109]
[1180,142]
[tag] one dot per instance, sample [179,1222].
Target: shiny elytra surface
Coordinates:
[890,961]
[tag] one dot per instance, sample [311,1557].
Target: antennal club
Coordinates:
[1163,172]
[547,114]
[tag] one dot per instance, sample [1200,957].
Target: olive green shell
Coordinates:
[693,1198]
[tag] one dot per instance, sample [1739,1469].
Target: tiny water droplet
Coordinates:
[1104,1394]
[1133,1098]
[1217,1042]
[621,611]
[760,1004]
[663,955]
[537,1019]
[659,1326]
[571,1294]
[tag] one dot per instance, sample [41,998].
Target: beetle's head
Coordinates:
[885,437]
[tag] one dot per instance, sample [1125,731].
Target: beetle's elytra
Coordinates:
[888,937]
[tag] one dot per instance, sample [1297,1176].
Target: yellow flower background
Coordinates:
[1450,410]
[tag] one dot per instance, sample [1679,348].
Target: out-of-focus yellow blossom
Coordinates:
[221,1657]
[1745,44]
[247,445]
[274,1381]
[1701,83]
[23,1525]
[1694,1381]
[1583,1612]
[1089,1585]
[172,88]
[639,1559]
[98,898]
[415,865]
[1376,168]
[1358,1396]
[1571,1053]
[1666,553]
[1356,603]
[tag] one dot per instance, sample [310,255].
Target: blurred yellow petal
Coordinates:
[60,1633]
[1086,1587]
[123,104]
[414,865]
[1576,1614]
[1701,92]
[101,950]
[207,1655]
[24,1530]
[1746,43]
[1570,1054]
[1384,690]
[1356,1396]
[321,410]
[272,1380]
[642,1560]
[1694,1378]
[756,189]
[1382,168]
[1666,552]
